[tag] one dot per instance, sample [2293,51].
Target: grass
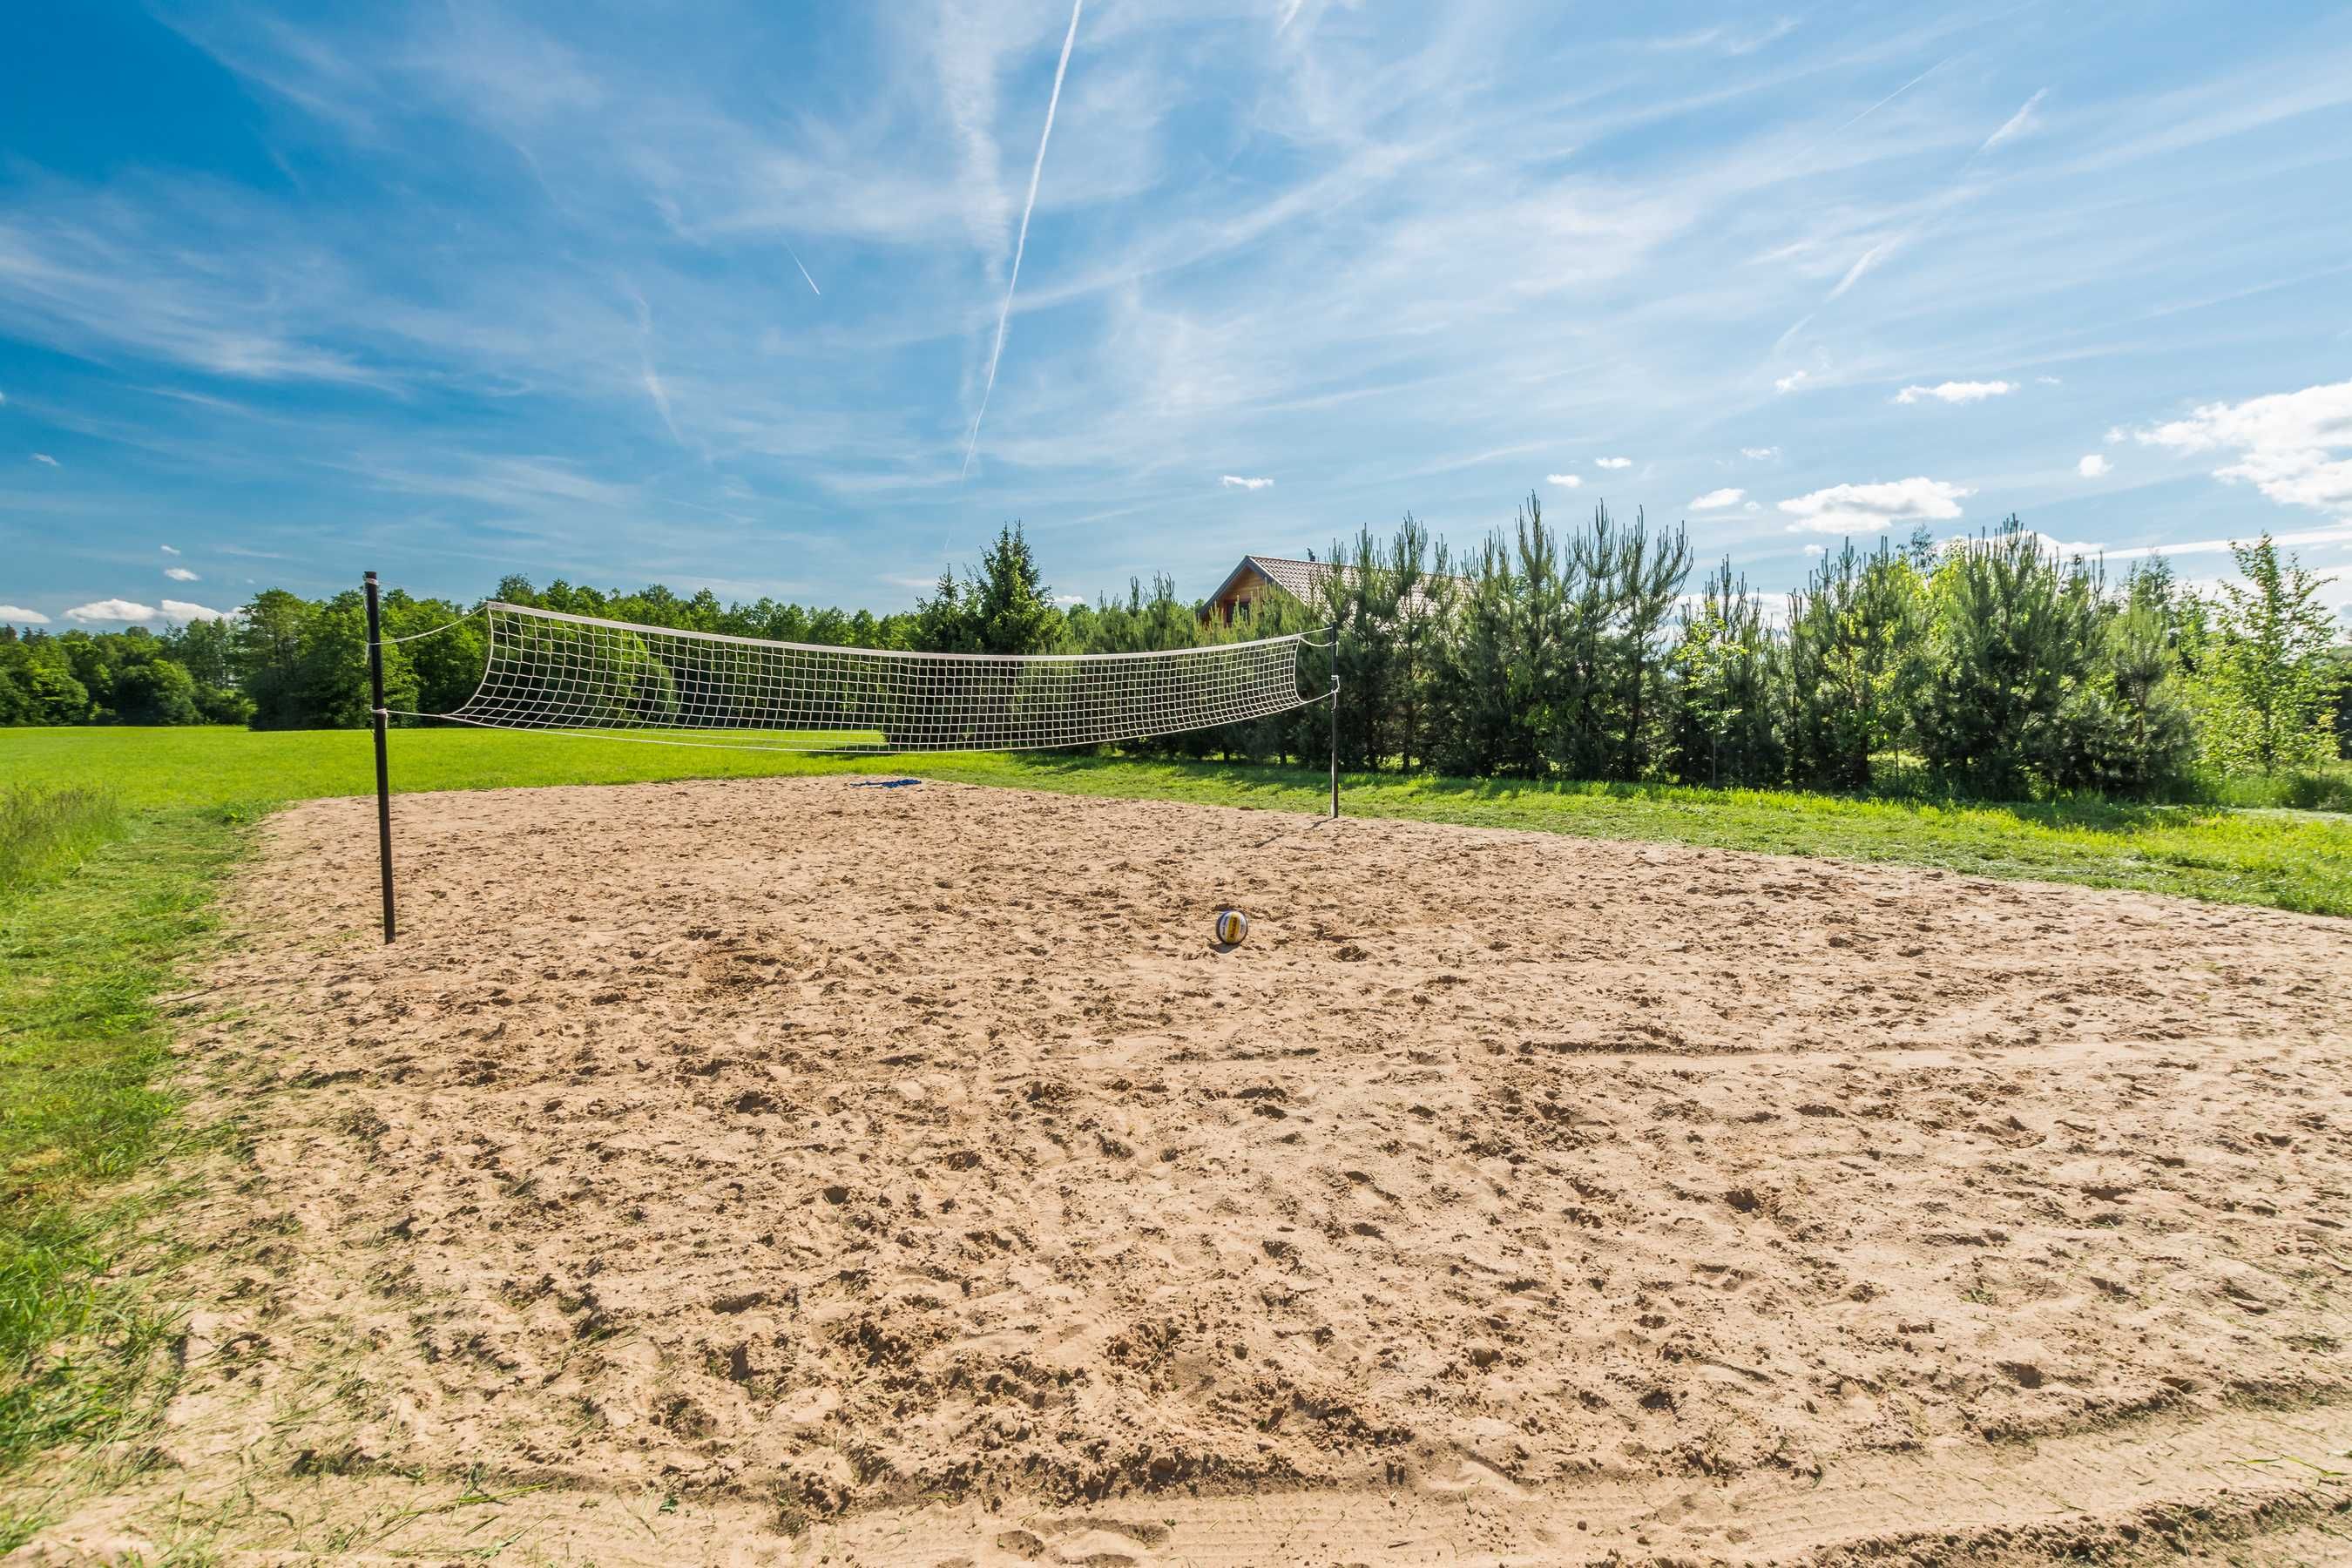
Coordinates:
[45,832]
[98,909]
[2201,851]
[2302,789]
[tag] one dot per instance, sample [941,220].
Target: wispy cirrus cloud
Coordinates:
[1352,242]
[1875,508]
[660,396]
[1237,482]
[1864,264]
[181,575]
[1612,462]
[2016,124]
[45,457]
[102,276]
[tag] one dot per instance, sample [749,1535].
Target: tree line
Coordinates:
[1988,666]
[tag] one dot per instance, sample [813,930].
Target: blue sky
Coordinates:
[713,298]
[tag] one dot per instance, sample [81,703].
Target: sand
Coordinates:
[787,1170]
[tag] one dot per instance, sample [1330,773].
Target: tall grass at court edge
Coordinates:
[45,831]
[100,909]
[2297,789]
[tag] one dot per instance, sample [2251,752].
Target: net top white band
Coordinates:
[1288,639]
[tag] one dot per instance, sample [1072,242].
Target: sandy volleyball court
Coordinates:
[771,1169]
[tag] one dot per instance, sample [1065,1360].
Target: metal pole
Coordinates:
[1335,723]
[383,764]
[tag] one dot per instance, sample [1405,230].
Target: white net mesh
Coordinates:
[553,671]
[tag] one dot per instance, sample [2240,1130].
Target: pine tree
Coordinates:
[1854,667]
[1012,609]
[1477,727]
[1361,598]
[1423,584]
[1645,580]
[2014,634]
[1546,684]
[1724,702]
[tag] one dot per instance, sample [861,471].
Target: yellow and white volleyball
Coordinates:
[1231,927]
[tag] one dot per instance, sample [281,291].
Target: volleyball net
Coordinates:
[549,670]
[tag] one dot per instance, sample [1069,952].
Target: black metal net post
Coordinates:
[383,764]
[1335,723]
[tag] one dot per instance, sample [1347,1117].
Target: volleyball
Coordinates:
[1231,927]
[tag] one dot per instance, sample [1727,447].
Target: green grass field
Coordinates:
[2296,862]
[113,840]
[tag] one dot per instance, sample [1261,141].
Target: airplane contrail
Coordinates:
[1899,92]
[1005,316]
[803,267]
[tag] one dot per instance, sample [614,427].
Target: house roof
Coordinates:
[1302,580]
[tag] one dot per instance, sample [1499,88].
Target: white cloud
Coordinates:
[180,575]
[181,610]
[2016,124]
[1868,509]
[1817,550]
[1236,482]
[1790,382]
[2093,466]
[169,551]
[1565,481]
[16,614]
[1612,462]
[1759,454]
[45,457]
[2117,435]
[2294,447]
[111,610]
[1751,506]
[1716,500]
[2047,381]
[1957,391]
